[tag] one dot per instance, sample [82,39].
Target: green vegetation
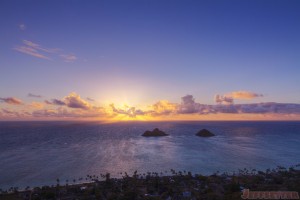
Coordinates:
[157,186]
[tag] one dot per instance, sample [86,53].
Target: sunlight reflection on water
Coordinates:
[38,153]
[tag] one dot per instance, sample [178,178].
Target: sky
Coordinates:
[149,60]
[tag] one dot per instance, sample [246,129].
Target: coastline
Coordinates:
[236,146]
[179,185]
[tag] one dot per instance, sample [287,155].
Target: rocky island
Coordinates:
[155,133]
[205,133]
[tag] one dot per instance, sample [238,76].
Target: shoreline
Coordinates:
[178,185]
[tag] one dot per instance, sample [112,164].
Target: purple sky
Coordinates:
[137,53]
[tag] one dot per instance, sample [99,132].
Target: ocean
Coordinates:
[37,153]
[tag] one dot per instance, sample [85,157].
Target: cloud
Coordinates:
[51,113]
[34,95]
[269,107]
[188,105]
[9,113]
[244,95]
[48,102]
[6,111]
[90,99]
[37,105]
[31,51]
[38,51]
[65,113]
[225,105]
[68,58]
[22,27]
[129,111]
[73,106]
[73,100]
[58,102]
[11,100]
[14,114]
[223,99]
[163,107]
[39,47]
[221,108]
[229,97]
[55,102]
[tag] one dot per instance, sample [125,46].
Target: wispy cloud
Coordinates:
[6,111]
[68,58]
[10,113]
[64,113]
[22,27]
[244,95]
[229,97]
[39,47]
[90,99]
[34,95]
[11,100]
[31,51]
[39,51]
[37,105]
[36,50]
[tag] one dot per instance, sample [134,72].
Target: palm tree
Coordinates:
[107,176]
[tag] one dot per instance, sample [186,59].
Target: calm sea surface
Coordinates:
[37,153]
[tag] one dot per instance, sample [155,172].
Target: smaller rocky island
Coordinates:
[155,133]
[205,133]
